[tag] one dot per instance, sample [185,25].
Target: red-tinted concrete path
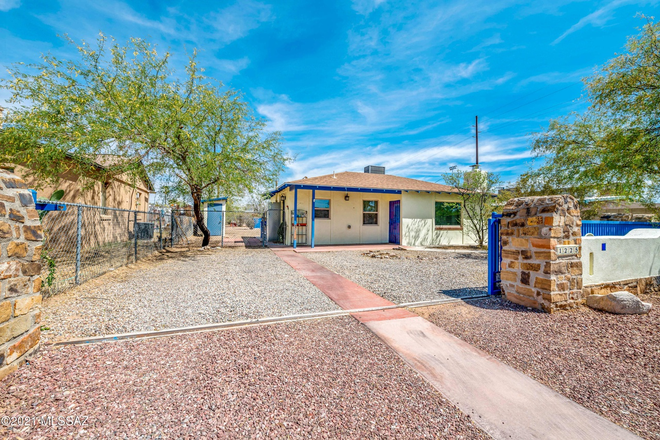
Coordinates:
[345,293]
[501,400]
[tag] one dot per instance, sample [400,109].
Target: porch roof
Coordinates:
[365,182]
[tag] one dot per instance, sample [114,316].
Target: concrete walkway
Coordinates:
[503,401]
[337,248]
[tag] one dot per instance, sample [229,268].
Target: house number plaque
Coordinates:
[567,250]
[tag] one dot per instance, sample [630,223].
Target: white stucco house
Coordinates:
[367,208]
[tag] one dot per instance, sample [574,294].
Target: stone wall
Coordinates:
[532,272]
[21,237]
[637,286]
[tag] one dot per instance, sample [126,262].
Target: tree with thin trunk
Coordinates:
[478,192]
[127,101]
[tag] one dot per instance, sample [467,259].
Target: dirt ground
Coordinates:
[608,363]
[403,276]
[182,288]
[329,378]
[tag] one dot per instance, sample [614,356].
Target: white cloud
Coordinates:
[232,67]
[556,77]
[365,7]
[6,5]
[282,116]
[599,17]
[210,31]
[236,21]
[369,113]
[424,158]
[491,41]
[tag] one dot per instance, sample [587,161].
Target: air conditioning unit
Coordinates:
[373,169]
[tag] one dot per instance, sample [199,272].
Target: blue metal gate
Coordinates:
[494,254]
[602,228]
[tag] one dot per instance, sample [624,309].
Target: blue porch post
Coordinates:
[313,214]
[295,217]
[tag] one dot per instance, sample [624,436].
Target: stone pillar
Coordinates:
[540,267]
[20,269]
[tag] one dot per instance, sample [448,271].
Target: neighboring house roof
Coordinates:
[347,180]
[105,161]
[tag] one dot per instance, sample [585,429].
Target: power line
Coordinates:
[506,124]
[515,121]
[526,95]
[535,100]
[509,123]
[508,111]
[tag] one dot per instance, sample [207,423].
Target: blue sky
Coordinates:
[367,82]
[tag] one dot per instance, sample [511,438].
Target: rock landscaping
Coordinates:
[605,362]
[408,276]
[619,302]
[329,378]
[183,289]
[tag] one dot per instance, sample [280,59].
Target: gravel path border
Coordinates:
[409,276]
[608,363]
[184,289]
[329,378]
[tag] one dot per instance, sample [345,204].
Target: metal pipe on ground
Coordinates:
[253,322]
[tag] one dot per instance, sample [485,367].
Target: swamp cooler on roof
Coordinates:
[373,169]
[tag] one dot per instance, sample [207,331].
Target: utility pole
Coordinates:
[476,137]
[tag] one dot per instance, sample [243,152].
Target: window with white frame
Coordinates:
[370,212]
[322,209]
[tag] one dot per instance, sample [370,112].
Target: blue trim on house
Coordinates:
[295,217]
[336,188]
[352,189]
[214,200]
[313,215]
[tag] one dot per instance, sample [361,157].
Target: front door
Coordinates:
[395,222]
[215,218]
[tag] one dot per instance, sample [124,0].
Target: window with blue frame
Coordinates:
[447,214]
[322,209]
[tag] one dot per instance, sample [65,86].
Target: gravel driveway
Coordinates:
[183,290]
[607,363]
[409,276]
[329,378]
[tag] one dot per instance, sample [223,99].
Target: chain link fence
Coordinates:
[82,242]
[227,228]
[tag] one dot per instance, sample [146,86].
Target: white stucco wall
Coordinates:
[635,255]
[342,214]
[418,221]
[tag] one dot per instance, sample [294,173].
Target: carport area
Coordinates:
[183,289]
